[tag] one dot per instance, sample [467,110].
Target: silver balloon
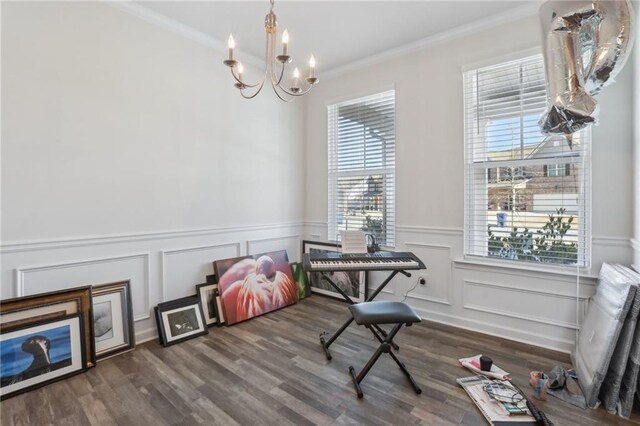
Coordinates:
[586,44]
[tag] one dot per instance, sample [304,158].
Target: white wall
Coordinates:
[527,305]
[635,62]
[127,153]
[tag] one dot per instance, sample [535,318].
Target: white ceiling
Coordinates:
[336,32]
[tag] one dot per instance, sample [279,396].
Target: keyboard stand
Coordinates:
[378,332]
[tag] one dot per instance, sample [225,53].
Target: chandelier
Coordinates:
[272,72]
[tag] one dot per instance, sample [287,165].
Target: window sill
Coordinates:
[557,271]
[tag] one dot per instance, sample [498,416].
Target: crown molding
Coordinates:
[186,31]
[452,34]
[162,21]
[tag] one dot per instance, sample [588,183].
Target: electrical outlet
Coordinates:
[422,279]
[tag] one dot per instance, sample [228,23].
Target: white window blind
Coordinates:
[362,166]
[527,194]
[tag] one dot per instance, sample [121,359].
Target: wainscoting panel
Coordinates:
[437,259]
[291,243]
[183,268]
[135,267]
[527,305]
[161,265]
[523,302]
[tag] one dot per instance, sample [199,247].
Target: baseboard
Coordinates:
[507,333]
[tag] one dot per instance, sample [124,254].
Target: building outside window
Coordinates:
[555,170]
[362,167]
[526,194]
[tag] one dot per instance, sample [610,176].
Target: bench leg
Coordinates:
[357,379]
[385,346]
[383,333]
[403,367]
[326,343]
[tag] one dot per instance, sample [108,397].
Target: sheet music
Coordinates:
[353,242]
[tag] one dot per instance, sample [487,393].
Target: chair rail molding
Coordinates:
[21,273]
[165,254]
[83,241]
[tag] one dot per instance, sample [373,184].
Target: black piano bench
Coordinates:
[372,314]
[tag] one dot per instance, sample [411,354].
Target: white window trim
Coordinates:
[584,206]
[332,207]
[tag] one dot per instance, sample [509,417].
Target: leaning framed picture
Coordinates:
[113,319]
[39,353]
[180,320]
[353,283]
[27,310]
[207,294]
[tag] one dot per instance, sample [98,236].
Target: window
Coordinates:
[362,158]
[557,170]
[526,194]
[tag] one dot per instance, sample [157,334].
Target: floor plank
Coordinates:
[272,370]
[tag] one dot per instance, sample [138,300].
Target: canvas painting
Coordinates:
[254,285]
[301,279]
[353,283]
[41,353]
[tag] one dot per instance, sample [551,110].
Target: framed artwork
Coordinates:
[250,286]
[28,310]
[219,311]
[207,294]
[180,320]
[36,354]
[112,319]
[301,279]
[353,283]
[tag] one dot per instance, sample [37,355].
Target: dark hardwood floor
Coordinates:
[271,370]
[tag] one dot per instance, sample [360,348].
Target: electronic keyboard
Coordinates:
[379,261]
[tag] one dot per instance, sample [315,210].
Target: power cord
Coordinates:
[419,281]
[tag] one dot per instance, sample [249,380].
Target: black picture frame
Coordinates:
[318,286]
[115,298]
[179,320]
[42,370]
[207,293]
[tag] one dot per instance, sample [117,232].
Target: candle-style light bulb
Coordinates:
[296,76]
[285,42]
[312,66]
[232,44]
[240,71]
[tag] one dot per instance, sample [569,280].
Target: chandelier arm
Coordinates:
[304,92]
[255,94]
[279,95]
[242,82]
[281,74]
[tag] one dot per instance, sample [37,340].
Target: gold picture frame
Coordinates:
[27,310]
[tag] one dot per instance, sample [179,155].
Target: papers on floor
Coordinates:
[494,411]
[473,364]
